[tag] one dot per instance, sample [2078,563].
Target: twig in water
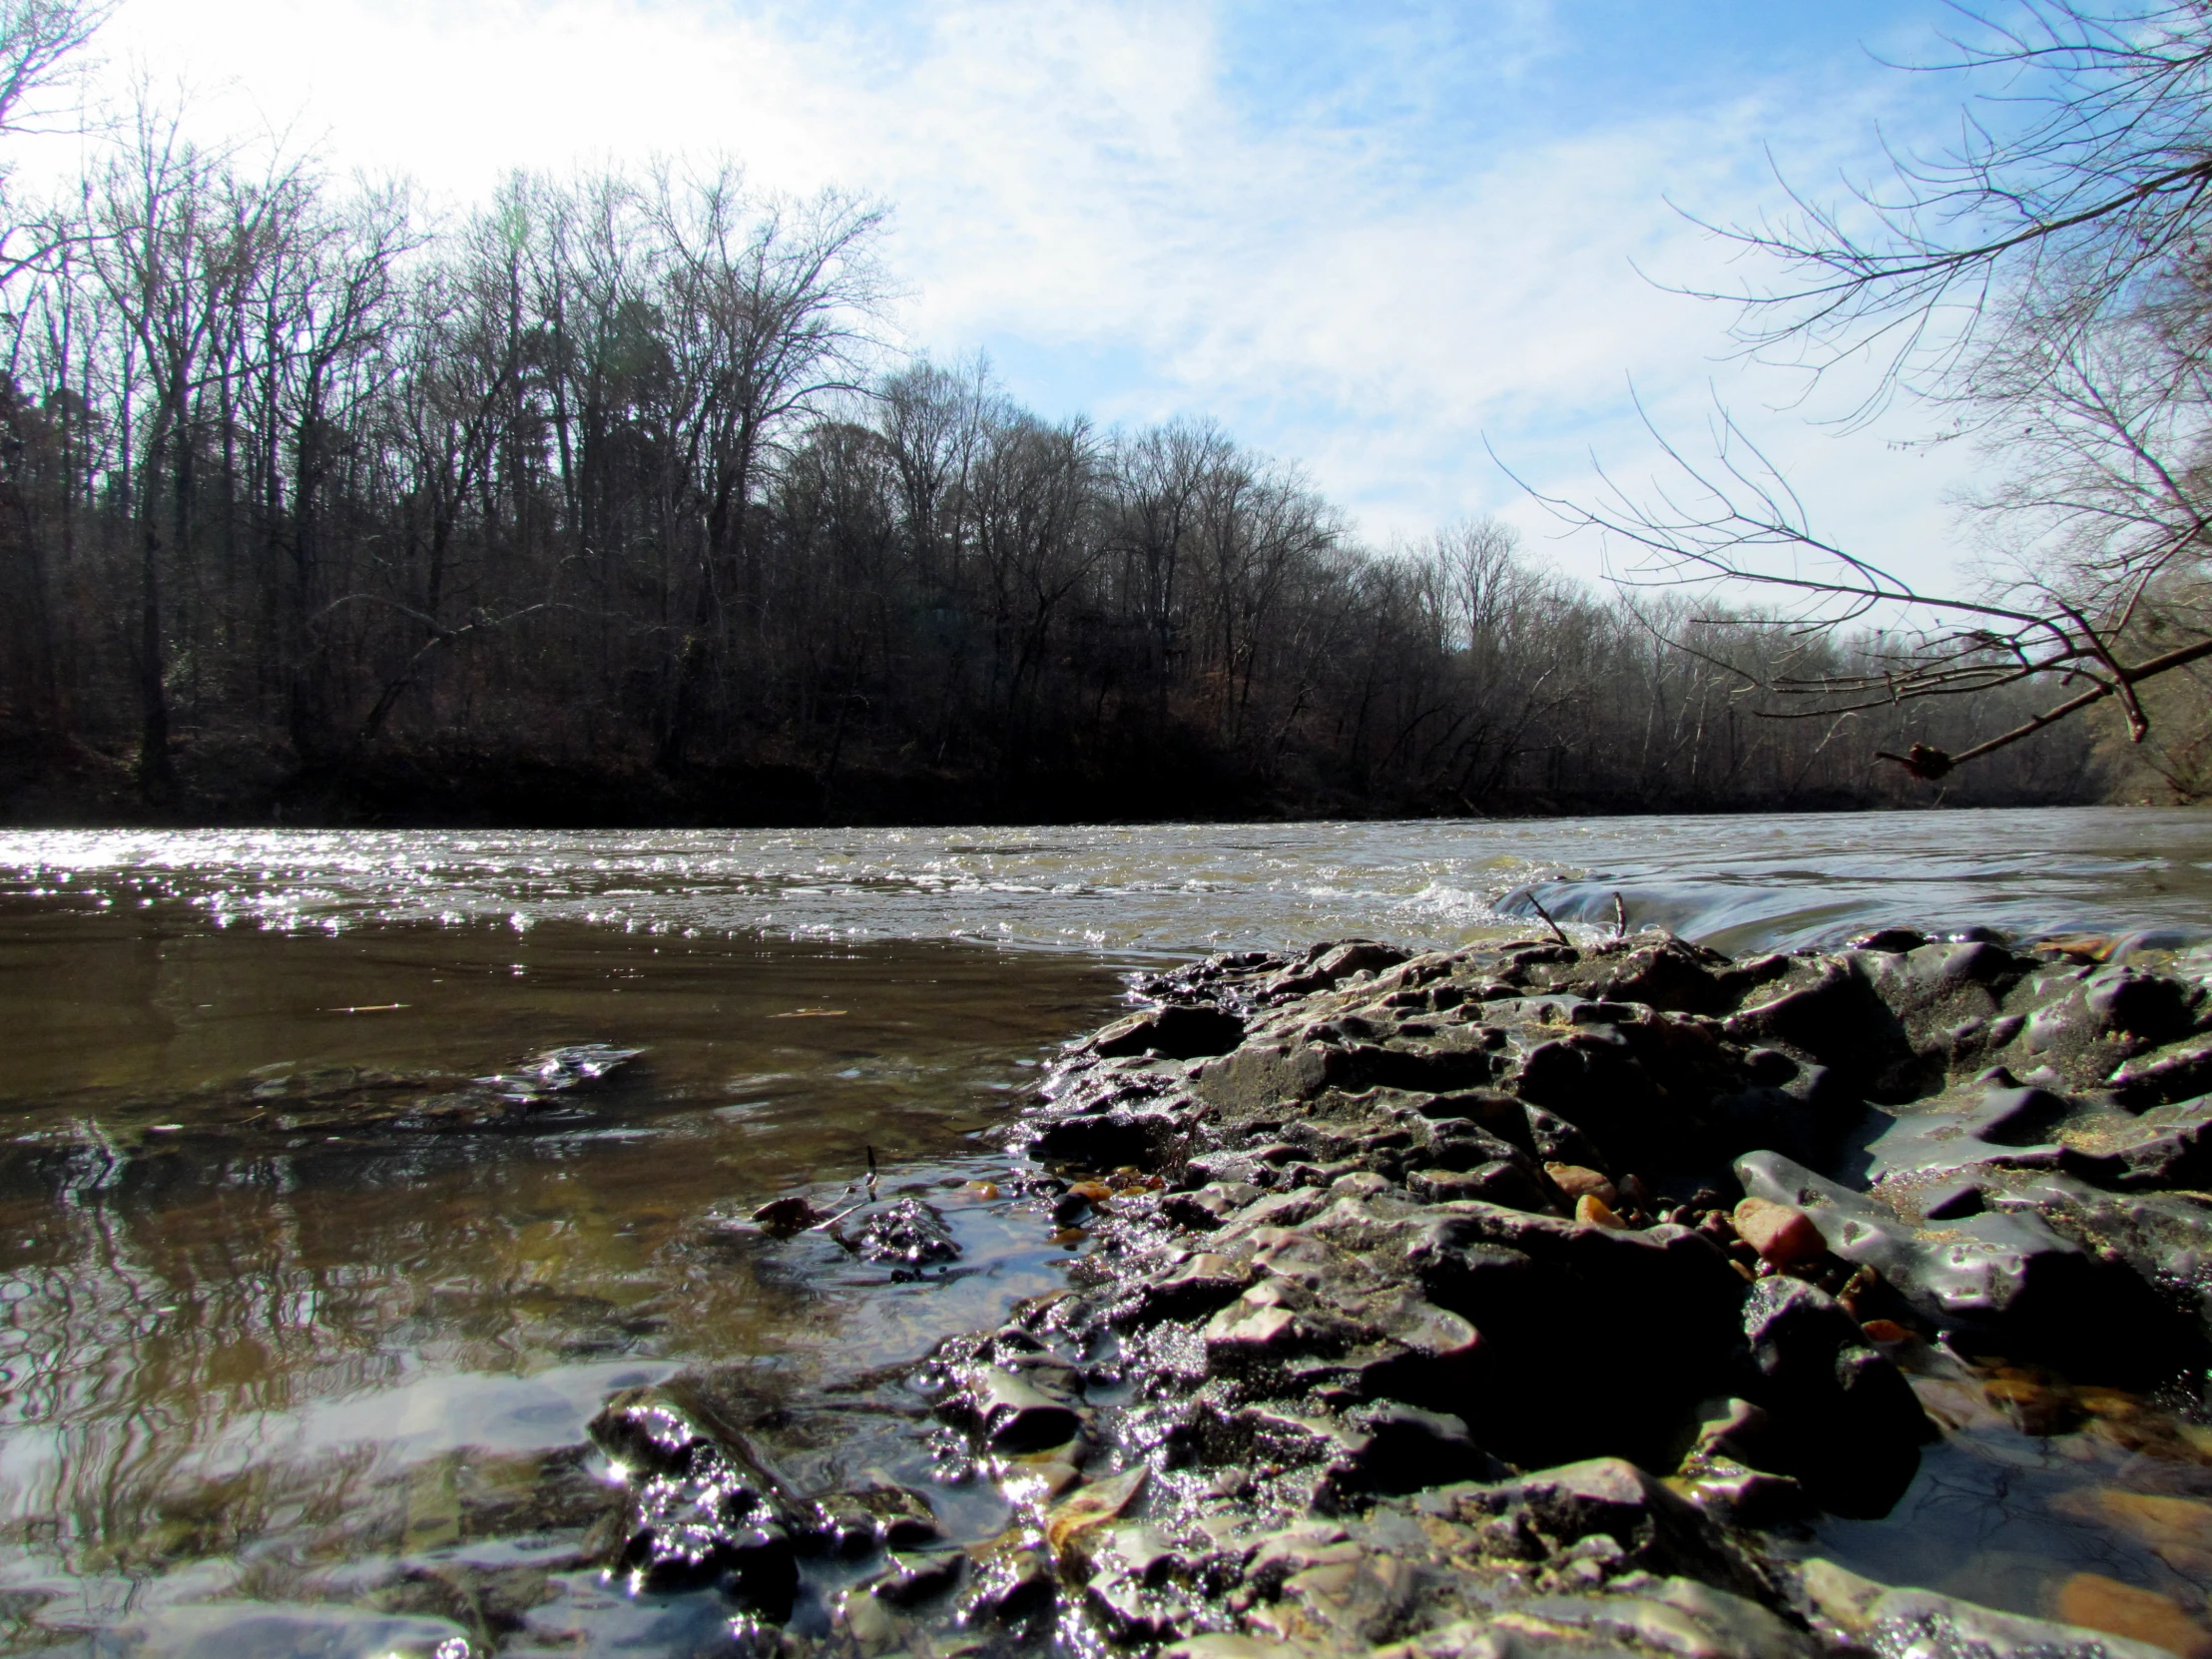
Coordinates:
[829,1225]
[1620,918]
[1548,923]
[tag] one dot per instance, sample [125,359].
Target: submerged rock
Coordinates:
[704,1508]
[907,1230]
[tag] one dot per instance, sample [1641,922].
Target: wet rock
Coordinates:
[247,1632]
[892,1517]
[1896,940]
[2166,1147]
[1839,1416]
[559,1070]
[784,1217]
[1674,975]
[1574,1181]
[1329,966]
[2009,1279]
[1780,1233]
[1355,1294]
[1592,1211]
[1071,1525]
[1753,1497]
[2015,1117]
[1401,1449]
[1911,1621]
[1008,1586]
[2163,1238]
[1187,1290]
[1134,1590]
[702,1506]
[1838,1021]
[1110,1140]
[2164,1075]
[907,1230]
[1335,1596]
[1594,1080]
[1180,1032]
[1953,1199]
[1018,1419]
[2149,1007]
[1501,1180]
[1654,1526]
[1684,1618]
[1664,1295]
[913,1578]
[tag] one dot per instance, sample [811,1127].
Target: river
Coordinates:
[298,1313]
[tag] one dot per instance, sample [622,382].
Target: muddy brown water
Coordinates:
[278,1334]
[247,1343]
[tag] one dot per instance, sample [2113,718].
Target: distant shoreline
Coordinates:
[78,787]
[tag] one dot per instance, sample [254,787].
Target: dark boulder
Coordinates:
[1594,1341]
[1396,1448]
[1838,1414]
[1181,1032]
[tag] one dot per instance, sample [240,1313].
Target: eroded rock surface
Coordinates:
[1494,1302]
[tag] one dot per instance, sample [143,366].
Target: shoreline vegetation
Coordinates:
[616,498]
[59,785]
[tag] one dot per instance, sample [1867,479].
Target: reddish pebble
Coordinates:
[1780,1233]
[1575,1182]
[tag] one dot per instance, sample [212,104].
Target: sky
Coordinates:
[1379,240]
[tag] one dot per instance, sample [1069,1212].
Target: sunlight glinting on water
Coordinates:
[1171,890]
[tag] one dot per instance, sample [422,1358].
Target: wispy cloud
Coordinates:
[1367,238]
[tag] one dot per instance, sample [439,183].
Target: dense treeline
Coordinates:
[613,503]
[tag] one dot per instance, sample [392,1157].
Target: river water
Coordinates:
[312,1281]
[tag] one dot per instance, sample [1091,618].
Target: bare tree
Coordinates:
[2042,283]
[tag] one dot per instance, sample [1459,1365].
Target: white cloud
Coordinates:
[1073,176]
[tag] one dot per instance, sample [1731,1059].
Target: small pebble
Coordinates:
[1780,1233]
[1592,1211]
[1575,1182]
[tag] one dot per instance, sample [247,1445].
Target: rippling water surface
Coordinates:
[285,1325]
[1153,891]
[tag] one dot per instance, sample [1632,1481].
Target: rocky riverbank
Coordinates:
[1527,1299]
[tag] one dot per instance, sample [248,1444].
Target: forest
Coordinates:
[616,502]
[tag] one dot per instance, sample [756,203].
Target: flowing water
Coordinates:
[312,1281]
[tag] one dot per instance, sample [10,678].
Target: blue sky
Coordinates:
[1367,238]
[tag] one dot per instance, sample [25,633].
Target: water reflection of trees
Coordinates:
[167,1323]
